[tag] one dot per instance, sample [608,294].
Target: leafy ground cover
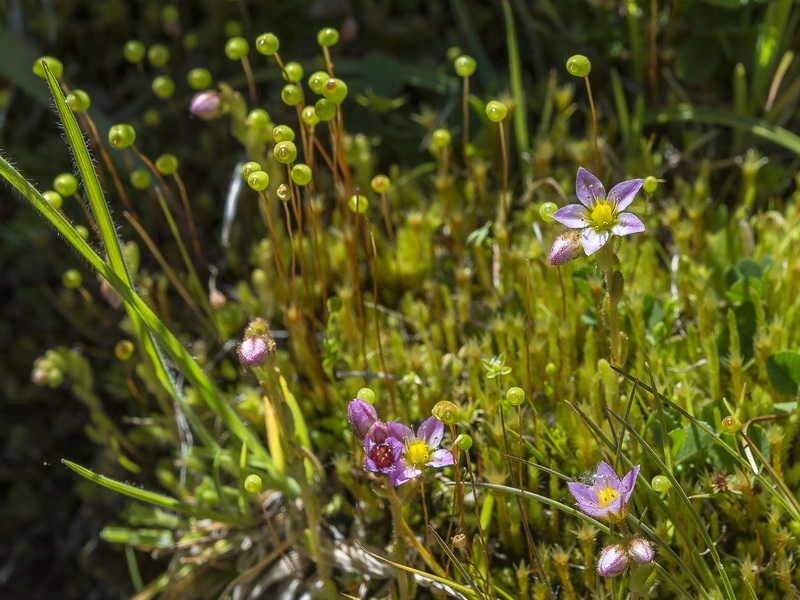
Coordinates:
[516,319]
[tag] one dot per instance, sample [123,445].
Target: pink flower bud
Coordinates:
[253,351]
[378,432]
[566,247]
[641,551]
[206,105]
[362,415]
[613,561]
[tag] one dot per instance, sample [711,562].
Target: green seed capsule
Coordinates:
[257,118]
[236,48]
[446,412]
[550,369]
[328,36]
[158,55]
[282,133]
[464,65]
[151,118]
[650,184]
[167,164]
[335,90]
[123,350]
[366,394]
[267,44]
[72,279]
[252,484]
[546,210]
[65,184]
[133,51]
[731,424]
[258,180]
[78,101]
[660,483]
[309,116]
[463,441]
[291,94]
[55,66]
[380,184]
[515,396]
[199,79]
[301,174]
[292,72]
[140,179]
[578,65]
[496,111]
[53,198]
[170,14]
[325,109]
[250,167]
[285,152]
[317,81]
[163,86]
[121,136]
[358,204]
[441,138]
[284,193]
[233,28]
[82,231]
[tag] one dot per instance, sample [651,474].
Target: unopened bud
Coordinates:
[613,561]
[566,247]
[362,416]
[206,105]
[641,551]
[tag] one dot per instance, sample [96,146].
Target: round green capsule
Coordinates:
[285,152]
[301,174]
[258,180]
[140,179]
[166,164]
[441,138]
[550,369]
[250,167]
[496,111]
[515,396]
[380,184]
[123,350]
[282,133]
[236,48]
[134,51]
[283,193]
[257,118]
[232,28]
[463,441]
[464,65]
[325,109]
[121,136]
[292,72]
[267,44]
[366,394]
[56,66]
[199,79]
[578,65]
[546,210]
[78,101]
[170,14]
[65,184]
[660,483]
[151,118]
[158,55]
[291,94]
[358,204]
[731,424]
[53,198]
[447,412]
[163,86]
[650,184]
[82,231]
[328,37]
[317,81]
[335,90]
[309,116]
[72,279]
[252,484]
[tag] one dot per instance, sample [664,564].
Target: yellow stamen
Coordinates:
[606,496]
[602,216]
[417,454]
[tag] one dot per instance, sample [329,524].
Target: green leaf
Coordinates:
[783,371]
[693,441]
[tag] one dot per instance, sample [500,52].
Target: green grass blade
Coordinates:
[517,90]
[151,497]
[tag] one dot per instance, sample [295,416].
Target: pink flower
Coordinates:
[608,498]
[420,450]
[599,217]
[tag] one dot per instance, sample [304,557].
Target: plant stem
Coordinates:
[613,311]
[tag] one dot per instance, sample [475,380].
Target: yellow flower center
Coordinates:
[602,216]
[418,454]
[606,496]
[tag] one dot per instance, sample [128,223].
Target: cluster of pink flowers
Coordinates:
[392,448]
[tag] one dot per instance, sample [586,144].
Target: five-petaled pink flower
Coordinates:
[600,216]
[420,450]
[608,498]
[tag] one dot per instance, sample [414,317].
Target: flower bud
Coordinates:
[566,247]
[641,551]
[613,561]
[378,432]
[252,351]
[362,416]
[447,412]
[206,105]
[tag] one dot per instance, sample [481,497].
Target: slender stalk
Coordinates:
[613,317]
[594,127]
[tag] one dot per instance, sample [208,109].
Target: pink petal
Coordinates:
[586,499]
[431,431]
[593,241]
[402,474]
[588,187]
[441,458]
[571,215]
[606,474]
[628,482]
[622,194]
[628,224]
[400,432]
